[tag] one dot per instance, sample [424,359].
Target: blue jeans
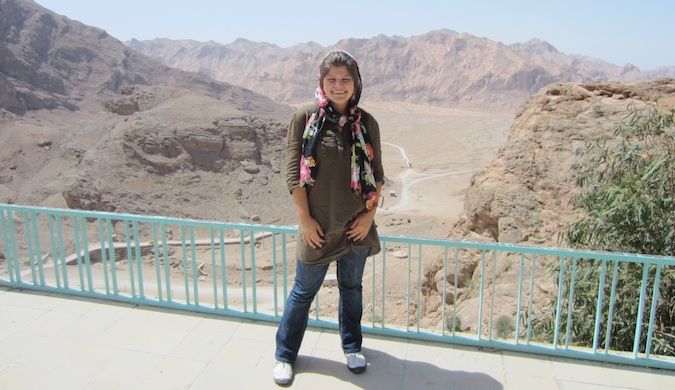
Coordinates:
[308,280]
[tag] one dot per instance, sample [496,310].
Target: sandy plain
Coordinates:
[444,148]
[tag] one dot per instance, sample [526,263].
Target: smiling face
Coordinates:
[338,86]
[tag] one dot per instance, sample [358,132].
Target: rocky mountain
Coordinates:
[525,196]
[440,67]
[86,122]
[49,61]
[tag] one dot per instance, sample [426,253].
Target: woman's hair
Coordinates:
[340,58]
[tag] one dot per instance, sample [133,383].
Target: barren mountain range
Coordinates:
[440,67]
[88,123]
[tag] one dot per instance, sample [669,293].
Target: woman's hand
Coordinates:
[311,232]
[359,228]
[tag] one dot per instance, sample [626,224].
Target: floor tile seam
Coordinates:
[165,357]
[78,315]
[67,301]
[154,352]
[187,334]
[117,318]
[5,368]
[126,313]
[96,376]
[32,320]
[136,350]
[173,353]
[535,372]
[23,304]
[210,364]
[316,342]
[506,373]
[223,346]
[604,385]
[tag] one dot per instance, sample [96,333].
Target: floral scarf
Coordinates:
[362,179]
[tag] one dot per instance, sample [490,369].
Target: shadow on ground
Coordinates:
[390,372]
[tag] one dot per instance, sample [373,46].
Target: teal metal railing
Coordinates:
[482,294]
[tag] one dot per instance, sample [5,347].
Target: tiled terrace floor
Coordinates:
[55,342]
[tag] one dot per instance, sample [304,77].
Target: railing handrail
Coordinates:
[444,242]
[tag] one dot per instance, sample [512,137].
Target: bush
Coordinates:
[627,197]
[458,324]
[505,326]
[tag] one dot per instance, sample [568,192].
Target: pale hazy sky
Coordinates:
[640,32]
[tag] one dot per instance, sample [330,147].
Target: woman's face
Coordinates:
[338,86]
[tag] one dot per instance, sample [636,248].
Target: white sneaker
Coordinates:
[282,373]
[356,362]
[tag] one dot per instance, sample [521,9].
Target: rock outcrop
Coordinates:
[525,196]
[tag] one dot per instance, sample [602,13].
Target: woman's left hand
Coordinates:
[359,228]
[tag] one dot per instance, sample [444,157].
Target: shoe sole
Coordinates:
[357,370]
[283,382]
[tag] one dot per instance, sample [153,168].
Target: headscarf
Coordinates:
[362,180]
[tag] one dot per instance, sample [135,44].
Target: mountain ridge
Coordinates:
[440,67]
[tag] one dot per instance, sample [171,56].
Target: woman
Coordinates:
[334,173]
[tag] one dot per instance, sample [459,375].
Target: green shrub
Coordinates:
[448,324]
[505,326]
[627,198]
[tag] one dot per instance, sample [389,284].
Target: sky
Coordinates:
[639,32]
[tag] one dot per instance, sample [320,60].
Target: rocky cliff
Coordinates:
[525,196]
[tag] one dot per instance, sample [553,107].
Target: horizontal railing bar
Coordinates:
[150,219]
[503,247]
[98,295]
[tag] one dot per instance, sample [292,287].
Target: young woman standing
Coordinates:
[334,173]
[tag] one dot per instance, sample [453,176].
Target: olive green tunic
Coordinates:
[331,200]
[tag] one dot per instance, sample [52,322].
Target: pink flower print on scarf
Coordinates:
[371,200]
[371,152]
[305,172]
[321,99]
[355,182]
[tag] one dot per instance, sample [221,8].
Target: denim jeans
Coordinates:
[308,280]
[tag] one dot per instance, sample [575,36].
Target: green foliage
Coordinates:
[457,323]
[628,197]
[624,312]
[628,188]
[505,326]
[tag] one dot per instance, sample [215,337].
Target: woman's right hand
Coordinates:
[311,232]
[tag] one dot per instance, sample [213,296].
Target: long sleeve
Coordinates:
[294,149]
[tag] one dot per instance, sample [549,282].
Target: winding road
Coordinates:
[407,183]
[403,153]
